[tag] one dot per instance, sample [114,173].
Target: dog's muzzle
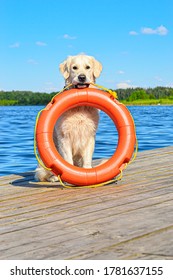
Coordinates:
[82,82]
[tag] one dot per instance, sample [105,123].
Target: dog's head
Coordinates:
[80,70]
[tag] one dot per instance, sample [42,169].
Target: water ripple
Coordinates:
[154,127]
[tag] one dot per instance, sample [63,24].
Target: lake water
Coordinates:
[154,127]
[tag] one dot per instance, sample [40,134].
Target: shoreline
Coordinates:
[134,104]
[126,103]
[145,102]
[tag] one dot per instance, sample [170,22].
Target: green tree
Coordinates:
[138,94]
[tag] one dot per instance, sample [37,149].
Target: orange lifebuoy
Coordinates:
[103,101]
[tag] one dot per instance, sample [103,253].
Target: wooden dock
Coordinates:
[132,219]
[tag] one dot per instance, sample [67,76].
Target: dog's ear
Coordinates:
[64,67]
[97,68]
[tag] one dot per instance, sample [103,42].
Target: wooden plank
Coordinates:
[73,240]
[66,205]
[85,206]
[144,247]
[48,222]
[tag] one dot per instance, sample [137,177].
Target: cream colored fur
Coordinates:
[74,132]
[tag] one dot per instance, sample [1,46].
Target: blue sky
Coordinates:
[132,39]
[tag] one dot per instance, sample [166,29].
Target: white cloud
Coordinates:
[161,30]
[41,44]
[125,85]
[120,72]
[15,45]
[133,33]
[148,30]
[68,37]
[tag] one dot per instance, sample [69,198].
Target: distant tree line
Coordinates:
[24,98]
[130,94]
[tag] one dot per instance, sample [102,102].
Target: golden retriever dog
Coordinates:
[74,132]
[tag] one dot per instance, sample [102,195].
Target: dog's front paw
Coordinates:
[52,179]
[43,175]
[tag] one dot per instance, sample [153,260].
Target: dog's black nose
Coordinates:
[82,78]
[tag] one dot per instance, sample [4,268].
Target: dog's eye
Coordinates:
[74,67]
[87,67]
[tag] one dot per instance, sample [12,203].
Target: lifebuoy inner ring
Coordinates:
[90,97]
